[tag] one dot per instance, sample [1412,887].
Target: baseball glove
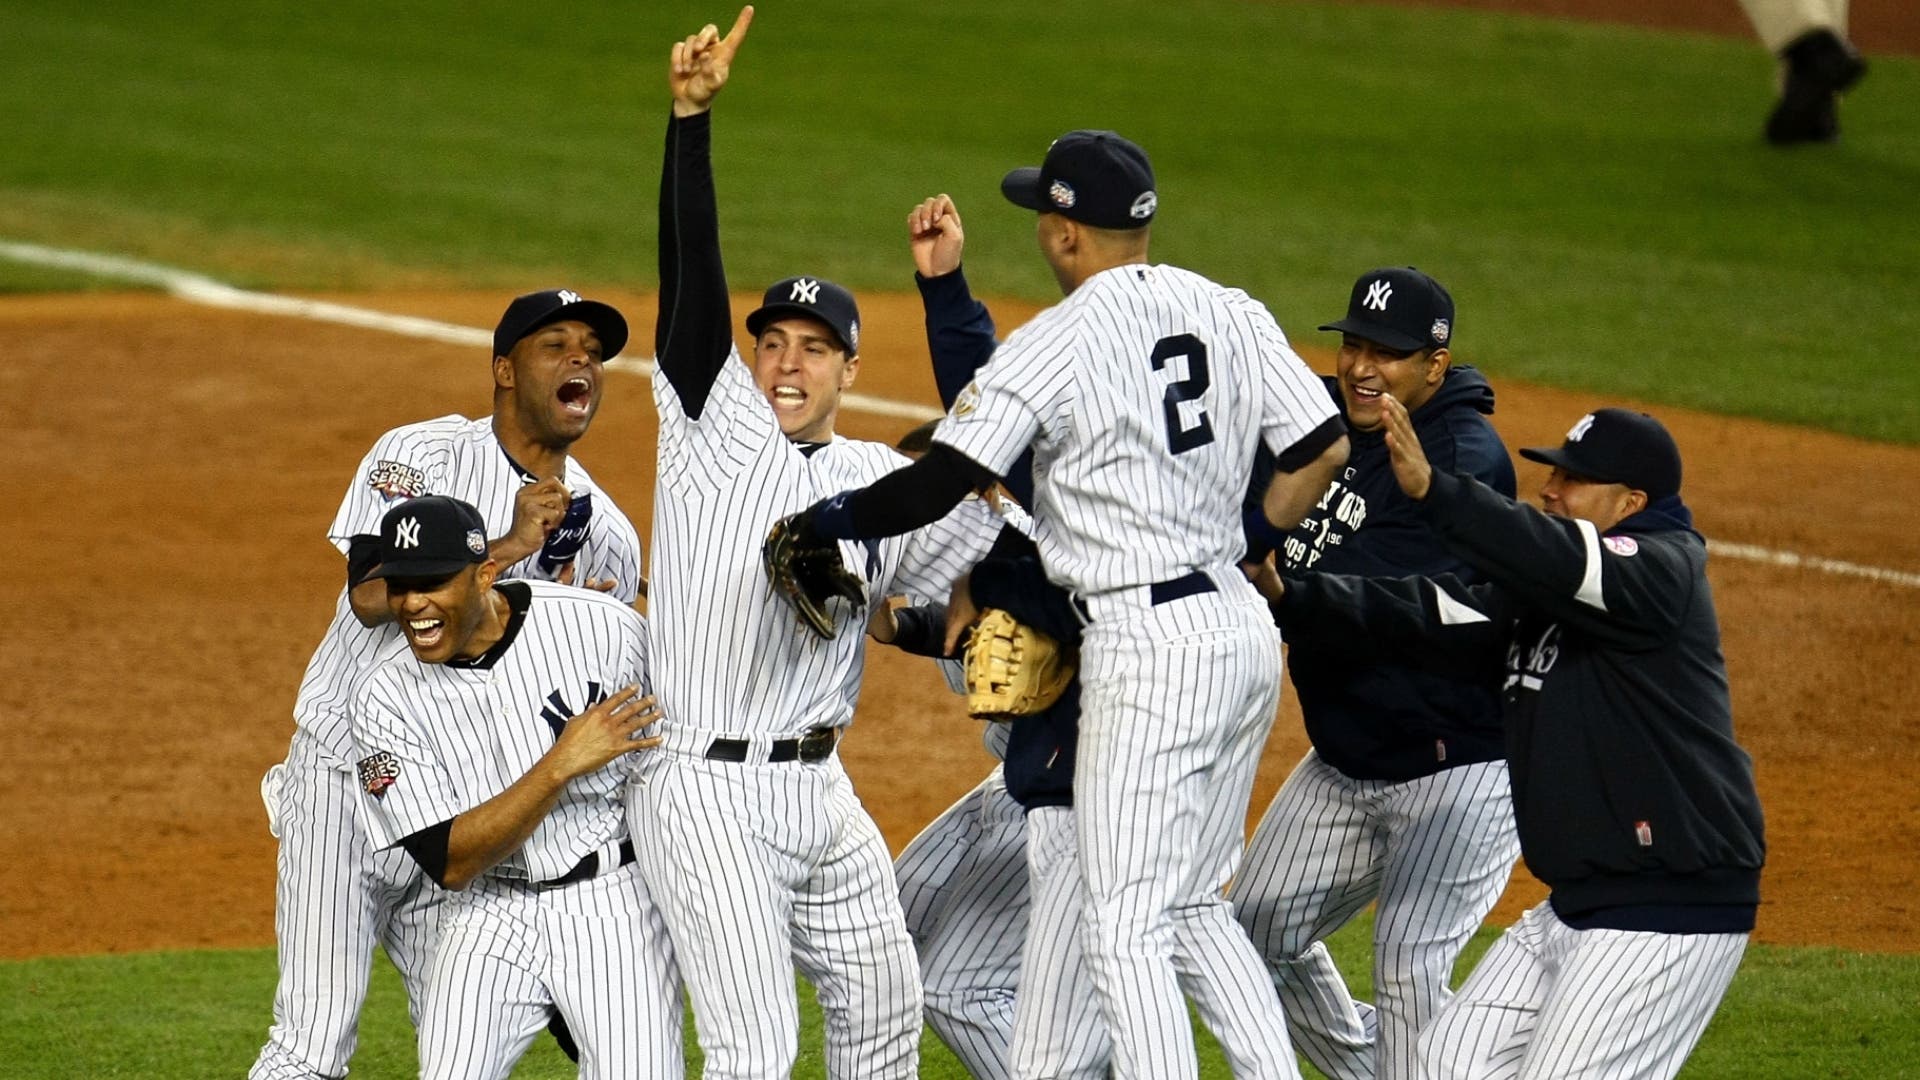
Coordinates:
[1013,669]
[807,571]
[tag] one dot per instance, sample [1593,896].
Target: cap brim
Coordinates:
[609,325]
[1379,335]
[425,569]
[1022,189]
[1559,458]
[759,317]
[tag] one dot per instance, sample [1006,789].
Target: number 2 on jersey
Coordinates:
[1181,438]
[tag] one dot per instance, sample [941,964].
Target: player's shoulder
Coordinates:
[570,601]
[439,430]
[391,668]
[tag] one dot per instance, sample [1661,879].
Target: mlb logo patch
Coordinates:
[1643,832]
[378,772]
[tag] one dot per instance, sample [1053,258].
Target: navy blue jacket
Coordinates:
[1634,802]
[1383,722]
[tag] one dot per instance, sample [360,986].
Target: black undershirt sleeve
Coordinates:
[922,629]
[918,495]
[429,848]
[1310,446]
[693,335]
[363,554]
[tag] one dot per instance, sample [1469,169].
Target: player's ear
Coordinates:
[1437,365]
[487,573]
[849,371]
[503,372]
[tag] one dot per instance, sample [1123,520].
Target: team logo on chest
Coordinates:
[556,712]
[378,772]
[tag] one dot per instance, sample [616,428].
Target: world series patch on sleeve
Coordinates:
[378,772]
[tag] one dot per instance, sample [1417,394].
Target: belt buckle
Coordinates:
[817,743]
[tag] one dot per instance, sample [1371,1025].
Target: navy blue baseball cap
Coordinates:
[810,298]
[548,306]
[1618,446]
[431,537]
[1399,307]
[1094,177]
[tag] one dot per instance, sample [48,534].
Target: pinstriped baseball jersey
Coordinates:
[437,740]
[450,455]
[1137,393]
[729,655]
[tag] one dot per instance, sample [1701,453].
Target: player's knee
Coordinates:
[1445,1049]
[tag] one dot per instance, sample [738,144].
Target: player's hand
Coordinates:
[604,732]
[935,237]
[961,614]
[882,625]
[537,510]
[700,65]
[597,584]
[1265,578]
[1410,465]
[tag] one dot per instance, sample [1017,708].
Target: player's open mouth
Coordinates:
[1365,393]
[789,395]
[576,395]
[426,632]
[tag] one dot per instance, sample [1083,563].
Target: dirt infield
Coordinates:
[175,468]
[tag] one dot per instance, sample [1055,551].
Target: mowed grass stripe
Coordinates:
[1597,197]
[1791,1013]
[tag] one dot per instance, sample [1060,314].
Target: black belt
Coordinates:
[587,868]
[815,745]
[1166,592]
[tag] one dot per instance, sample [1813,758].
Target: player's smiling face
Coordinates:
[1605,504]
[799,364]
[1366,370]
[555,374]
[441,616]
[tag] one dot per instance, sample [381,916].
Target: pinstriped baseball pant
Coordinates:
[1436,851]
[963,886]
[1177,699]
[1549,1002]
[335,899]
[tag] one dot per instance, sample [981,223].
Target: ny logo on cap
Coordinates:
[805,291]
[1377,294]
[406,534]
[568,296]
[1581,428]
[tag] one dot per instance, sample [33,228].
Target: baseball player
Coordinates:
[748,829]
[1403,798]
[336,896]
[1634,803]
[1817,65]
[1143,395]
[490,743]
[963,878]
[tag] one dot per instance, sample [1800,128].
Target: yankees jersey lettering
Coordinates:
[454,456]
[437,740]
[1138,393]
[729,655]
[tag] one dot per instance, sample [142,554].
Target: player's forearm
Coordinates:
[903,500]
[1291,494]
[488,833]
[693,335]
[959,332]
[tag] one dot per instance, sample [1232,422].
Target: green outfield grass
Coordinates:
[1598,197]
[1792,1013]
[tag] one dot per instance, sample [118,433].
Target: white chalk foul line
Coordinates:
[201,289]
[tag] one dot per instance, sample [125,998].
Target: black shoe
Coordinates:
[1819,66]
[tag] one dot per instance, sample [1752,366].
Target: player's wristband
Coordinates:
[832,517]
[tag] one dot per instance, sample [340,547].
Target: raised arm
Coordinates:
[694,333]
